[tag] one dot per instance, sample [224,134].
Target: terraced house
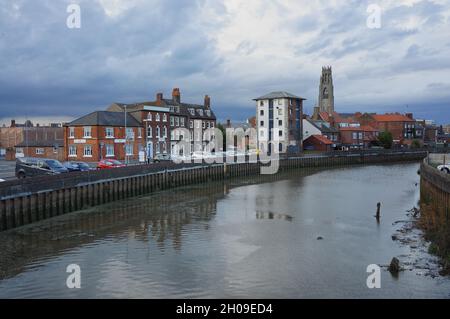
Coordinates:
[169,121]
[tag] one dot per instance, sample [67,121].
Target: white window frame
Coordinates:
[87,129]
[71,132]
[157,117]
[109,147]
[129,149]
[40,151]
[109,130]
[72,151]
[149,130]
[164,117]
[87,153]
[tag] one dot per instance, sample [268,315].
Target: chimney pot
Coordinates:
[207,102]
[159,97]
[176,95]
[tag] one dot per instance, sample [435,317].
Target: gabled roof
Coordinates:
[105,118]
[322,139]
[338,118]
[362,128]
[278,95]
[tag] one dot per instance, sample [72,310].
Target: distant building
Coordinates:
[15,140]
[46,148]
[320,127]
[279,122]
[161,119]
[326,91]
[358,137]
[403,127]
[101,134]
[318,143]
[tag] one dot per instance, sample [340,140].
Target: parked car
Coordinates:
[77,166]
[30,166]
[444,168]
[2,180]
[109,163]
[161,158]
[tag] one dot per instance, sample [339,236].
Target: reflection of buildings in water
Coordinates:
[271,215]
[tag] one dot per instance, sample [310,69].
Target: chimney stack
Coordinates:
[207,102]
[410,115]
[176,95]
[159,97]
[13,123]
[228,123]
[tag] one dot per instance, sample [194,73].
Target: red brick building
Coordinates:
[403,128]
[101,135]
[174,120]
[318,143]
[53,149]
[358,137]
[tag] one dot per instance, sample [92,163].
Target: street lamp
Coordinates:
[126,135]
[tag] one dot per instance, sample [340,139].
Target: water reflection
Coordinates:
[254,237]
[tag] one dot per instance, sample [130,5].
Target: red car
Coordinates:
[109,163]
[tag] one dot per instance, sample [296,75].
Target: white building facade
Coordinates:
[279,122]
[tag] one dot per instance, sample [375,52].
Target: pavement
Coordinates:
[7,169]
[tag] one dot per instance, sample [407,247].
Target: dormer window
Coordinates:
[192,111]
[208,112]
[200,112]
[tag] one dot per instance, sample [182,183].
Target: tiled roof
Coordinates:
[105,118]
[321,138]
[363,128]
[278,95]
[337,117]
[391,118]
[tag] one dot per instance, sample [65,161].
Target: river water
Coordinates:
[245,238]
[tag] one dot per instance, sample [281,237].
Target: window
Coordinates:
[157,117]
[261,112]
[280,122]
[355,135]
[130,133]
[177,121]
[204,124]
[200,111]
[360,136]
[87,151]
[280,133]
[149,116]
[198,124]
[109,150]
[87,132]
[129,149]
[212,124]
[261,133]
[71,132]
[182,121]
[280,111]
[72,150]
[208,112]
[139,132]
[157,148]
[55,149]
[39,151]
[261,103]
[191,124]
[192,111]
[261,123]
[109,132]
[149,132]
[164,118]
[280,101]
[164,132]
[158,132]
[171,121]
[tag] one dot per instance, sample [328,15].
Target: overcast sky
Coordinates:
[233,50]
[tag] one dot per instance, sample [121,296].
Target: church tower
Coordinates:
[326,91]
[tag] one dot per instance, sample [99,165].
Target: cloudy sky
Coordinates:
[233,50]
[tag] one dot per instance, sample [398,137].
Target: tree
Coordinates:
[415,144]
[222,129]
[385,139]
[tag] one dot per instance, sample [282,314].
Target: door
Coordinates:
[150,150]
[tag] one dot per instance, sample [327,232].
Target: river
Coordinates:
[245,238]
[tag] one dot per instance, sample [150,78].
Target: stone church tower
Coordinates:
[326,91]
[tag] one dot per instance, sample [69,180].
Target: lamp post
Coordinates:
[126,135]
